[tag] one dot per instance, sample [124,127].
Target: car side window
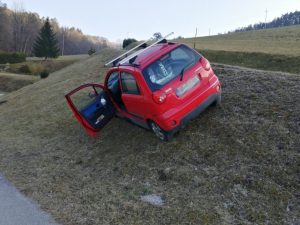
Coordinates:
[113,76]
[129,85]
[113,80]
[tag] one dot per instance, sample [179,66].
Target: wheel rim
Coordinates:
[157,131]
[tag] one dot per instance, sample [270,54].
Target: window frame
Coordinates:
[154,86]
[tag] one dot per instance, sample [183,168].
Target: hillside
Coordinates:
[288,19]
[278,41]
[235,164]
[11,82]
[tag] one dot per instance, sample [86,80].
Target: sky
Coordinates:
[139,19]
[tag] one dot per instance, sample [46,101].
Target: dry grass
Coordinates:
[235,164]
[278,41]
[11,82]
[263,61]
[275,49]
[62,58]
[15,80]
[37,65]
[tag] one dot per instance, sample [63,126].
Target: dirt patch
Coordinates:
[235,164]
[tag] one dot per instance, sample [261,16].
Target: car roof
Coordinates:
[149,55]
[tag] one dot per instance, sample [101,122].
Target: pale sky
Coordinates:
[119,19]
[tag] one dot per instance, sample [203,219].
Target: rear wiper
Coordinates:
[183,70]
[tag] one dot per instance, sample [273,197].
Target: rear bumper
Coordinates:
[176,118]
[195,112]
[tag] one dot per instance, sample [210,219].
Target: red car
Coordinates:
[158,87]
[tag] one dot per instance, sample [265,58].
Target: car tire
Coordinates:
[159,132]
[217,102]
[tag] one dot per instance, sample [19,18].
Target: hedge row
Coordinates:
[12,57]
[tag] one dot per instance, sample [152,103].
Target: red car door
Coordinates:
[132,96]
[92,107]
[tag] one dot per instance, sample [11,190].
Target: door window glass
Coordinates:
[85,97]
[113,80]
[129,85]
[94,105]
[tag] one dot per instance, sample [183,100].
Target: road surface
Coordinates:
[16,209]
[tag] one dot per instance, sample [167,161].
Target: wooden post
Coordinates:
[195,38]
[63,42]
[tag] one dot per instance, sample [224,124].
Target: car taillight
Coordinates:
[205,64]
[159,97]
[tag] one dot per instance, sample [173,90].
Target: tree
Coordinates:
[5,29]
[46,43]
[157,35]
[3,5]
[19,30]
[128,41]
[92,51]
[287,19]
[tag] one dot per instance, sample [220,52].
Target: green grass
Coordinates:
[278,41]
[262,61]
[275,49]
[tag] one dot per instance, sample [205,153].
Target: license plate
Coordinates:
[187,86]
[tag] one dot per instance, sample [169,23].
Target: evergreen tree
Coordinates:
[92,51]
[128,41]
[287,19]
[46,43]
[157,35]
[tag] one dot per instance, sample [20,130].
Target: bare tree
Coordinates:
[25,27]
[5,29]
[31,28]
[17,24]
[19,30]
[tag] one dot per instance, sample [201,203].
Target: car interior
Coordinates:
[115,90]
[99,112]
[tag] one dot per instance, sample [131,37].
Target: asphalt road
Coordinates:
[16,209]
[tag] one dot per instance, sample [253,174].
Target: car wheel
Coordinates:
[160,133]
[217,102]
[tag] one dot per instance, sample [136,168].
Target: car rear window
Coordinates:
[169,66]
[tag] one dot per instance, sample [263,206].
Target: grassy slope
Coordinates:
[262,61]
[278,41]
[37,65]
[15,79]
[11,82]
[272,49]
[237,164]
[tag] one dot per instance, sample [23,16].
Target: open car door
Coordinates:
[91,106]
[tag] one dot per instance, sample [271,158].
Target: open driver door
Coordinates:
[92,107]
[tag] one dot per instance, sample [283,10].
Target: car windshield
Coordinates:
[169,66]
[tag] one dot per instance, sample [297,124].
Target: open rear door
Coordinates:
[91,106]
